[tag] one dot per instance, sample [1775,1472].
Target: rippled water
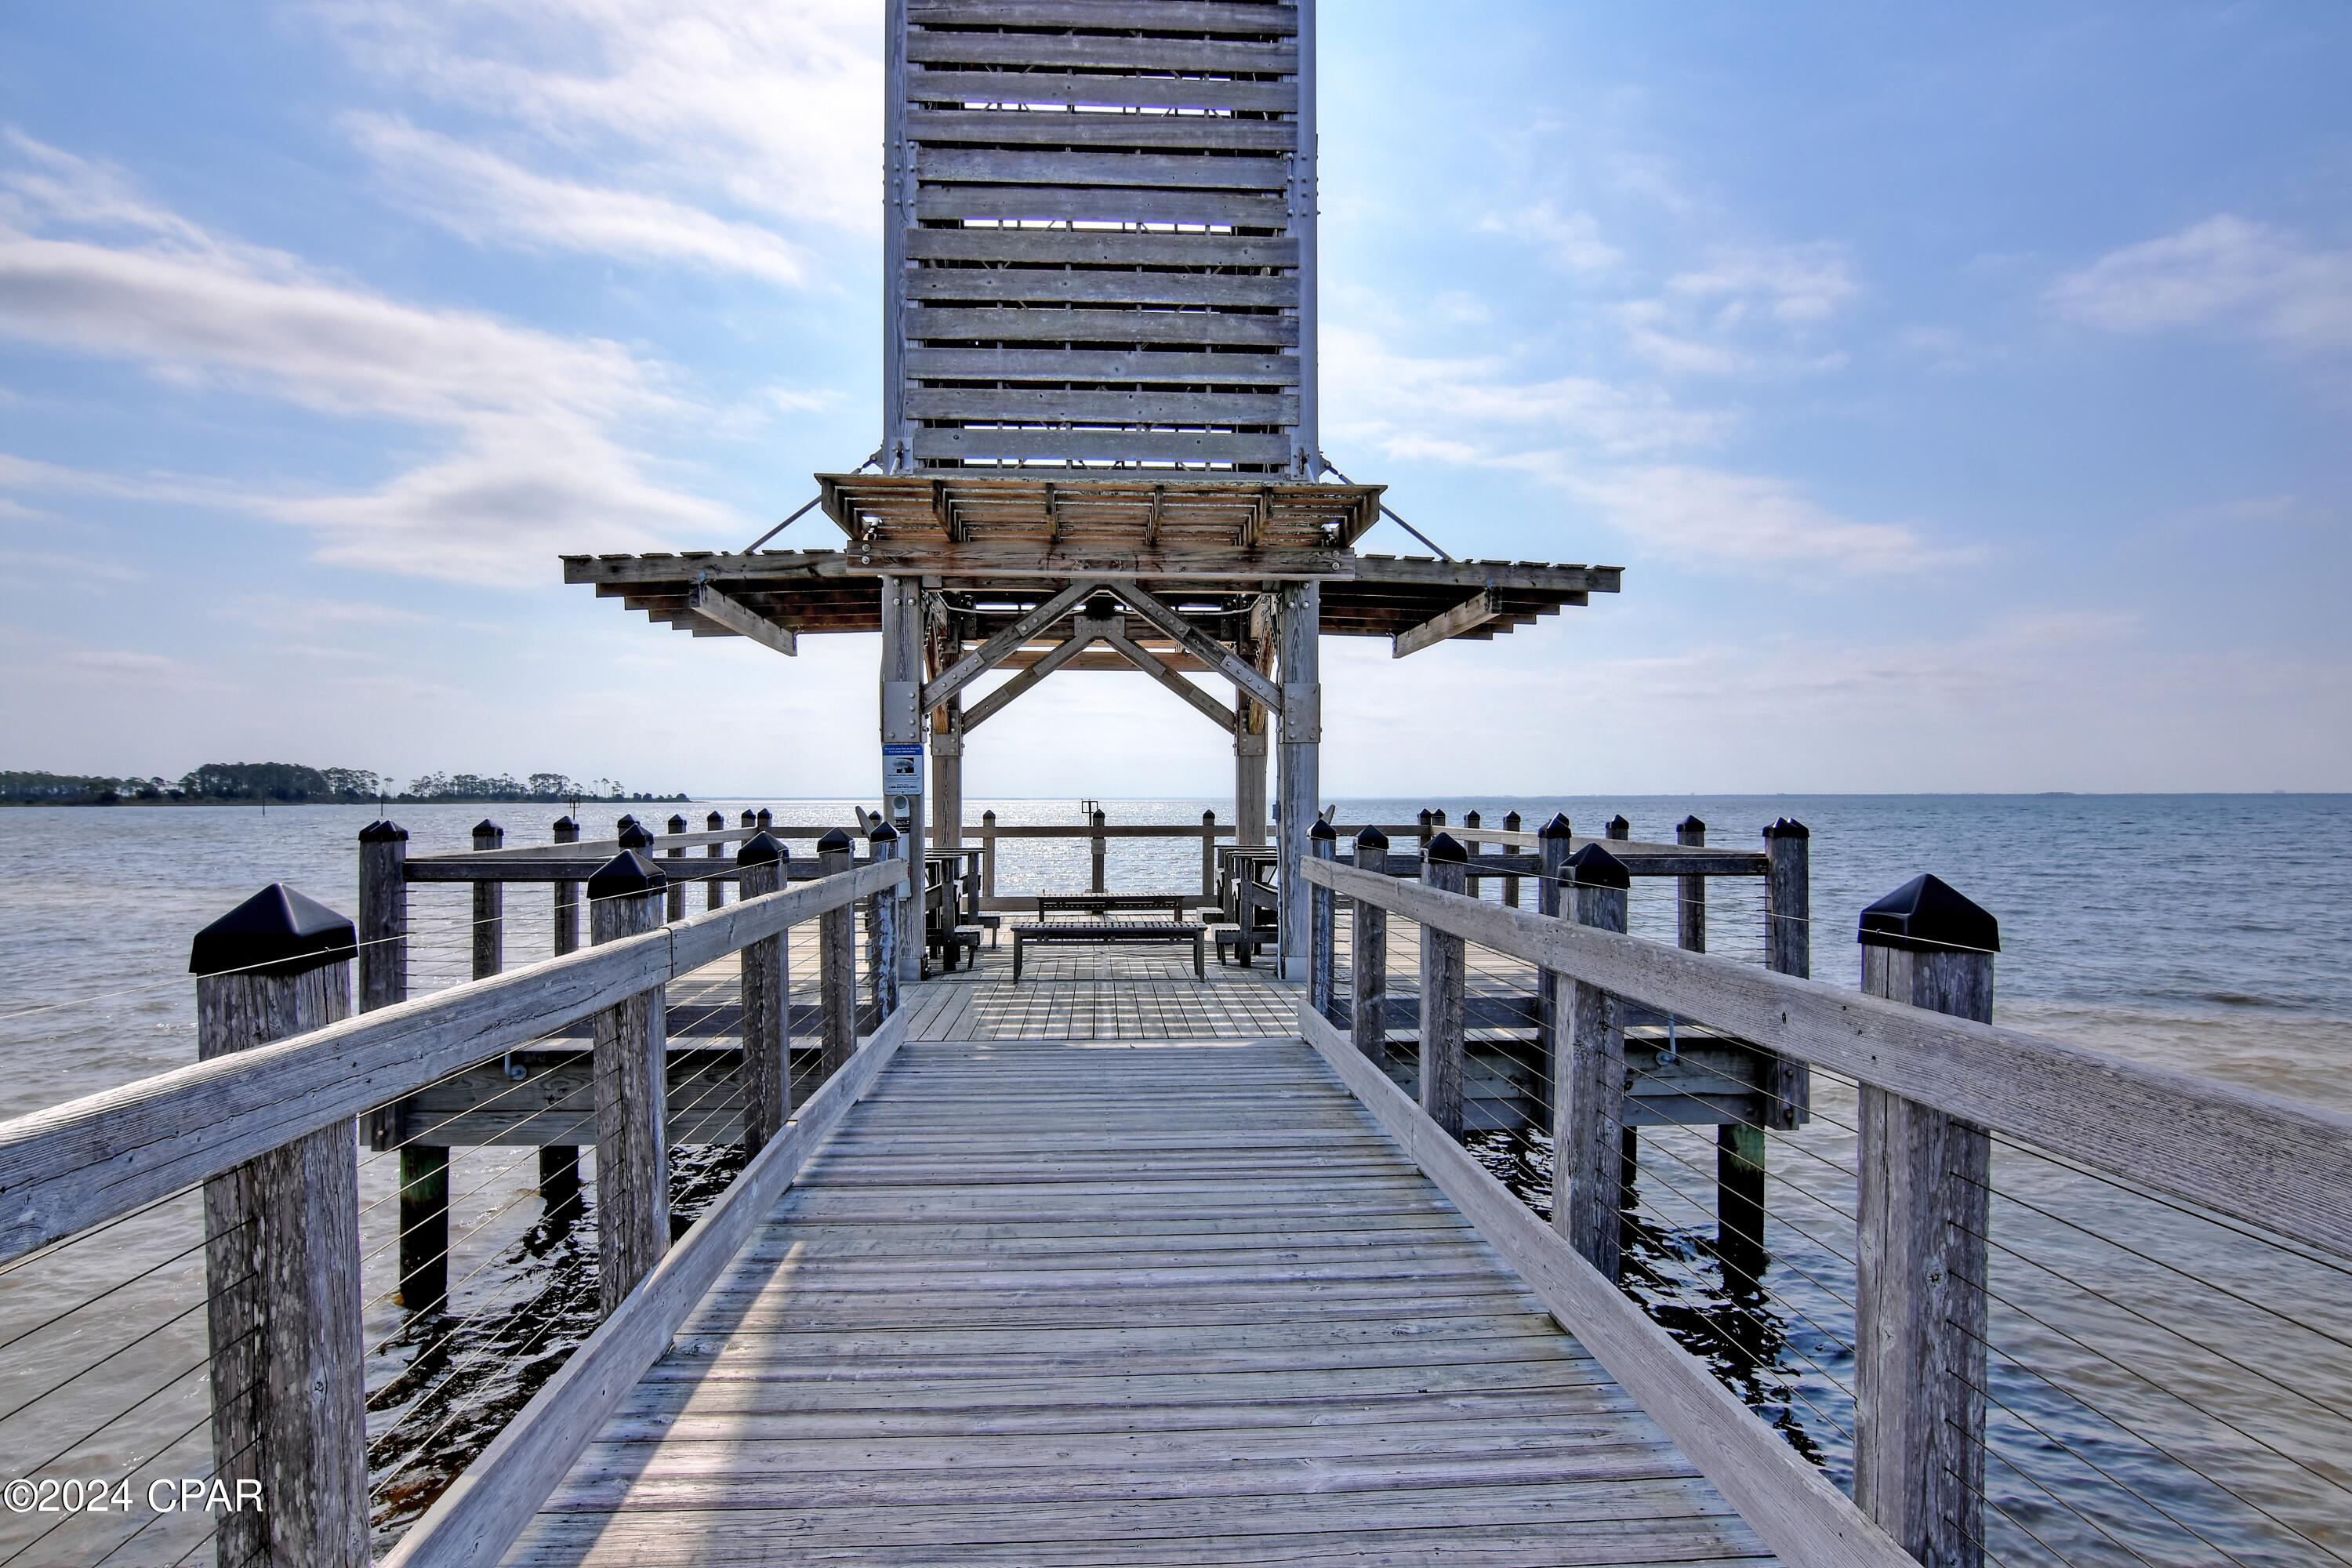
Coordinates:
[2202,933]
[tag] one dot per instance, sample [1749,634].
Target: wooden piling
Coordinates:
[1924,1214]
[1511,884]
[1367,956]
[624,899]
[763,820]
[559,1163]
[1787,950]
[1443,992]
[567,895]
[837,961]
[283,1257]
[1098,848]
[1589,1088]
[987,857]
[882,933]
[489,907]
[676,873]
[1552,843]
[1208,857]
[749,821]
[1619,828]
[383,915]
[767,1077]
[1322,843]
[714,892]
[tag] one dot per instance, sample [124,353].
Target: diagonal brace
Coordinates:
[999,648]
[1204,647]
[736,617]
[997,701]
[1145,660]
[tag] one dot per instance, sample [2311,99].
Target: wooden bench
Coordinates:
[948,943]
[1111,932]
[1050,904]
[1230,937]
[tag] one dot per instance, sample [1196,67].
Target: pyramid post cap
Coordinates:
[1593,867]
[486,827]
[626,873]
[1927,914]
[1510,822]
[566,824]
[1471,818]
[1691,824]
[1620,824]
[636,835]
[276,932]
[765,818]
[714,822]
[761,849]
[1557,828]
[384,831]
[882,833]
[1371,837]
[837,838]
[1427,816]
[678,825]
[1788,827]
[1446,850]
[749,816]
[1322,831]
[1205,816]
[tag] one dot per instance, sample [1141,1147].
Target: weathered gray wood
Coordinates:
[489,908]
[632,1153]
[1690,892]
[1163,366]
[1093,444]
[1322,966]
[490,1502]
[882,929]
[282,1279]
[1923,1216]
[1249,20]
[1047,405]
[766,986]
[904,655]
[1098,848]
[2271,1162]
[1511,883]
[1096,51]
[837,967]
[1588,1097]
[936,128]
[995,165]
[1302,203]
[675,905]
[1367,961]
[1554,844]
[1443,989]
[567,895]
[955,88]
[1209,854]
[1787,950]
[1297,767]
[993,652]
[1796,1511]
[1202,646]
[988,832]
[714,887]
[1468,615]
[1014,324]
[1057,285]
[733,615]
[948,728]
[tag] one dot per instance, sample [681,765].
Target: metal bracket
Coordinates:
[902,710]
[1302,712]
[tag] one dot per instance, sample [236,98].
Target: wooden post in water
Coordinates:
[1208,857]
[283,1257]
[567,894]
[767,1074]
[837,962]
[987,857]
[1552,843]
[559,1163]
[489,907]
[624,899]
[1443,987]
[714,892]
[1738,1145]
[1629,1140]
[1096,849]
[1924,1213]
[1322,965]
[1787,950]
[882,933]
[1511,884]
[676,873]
[1589,1090]
[1368,953]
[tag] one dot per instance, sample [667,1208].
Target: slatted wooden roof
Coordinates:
[1153,509]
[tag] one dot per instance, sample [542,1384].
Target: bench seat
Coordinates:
[1108,933]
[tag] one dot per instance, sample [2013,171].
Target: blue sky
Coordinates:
[1965,392]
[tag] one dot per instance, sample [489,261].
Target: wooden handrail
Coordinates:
[2253,1157]
[79,1164]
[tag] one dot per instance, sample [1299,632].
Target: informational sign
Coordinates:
[902,769]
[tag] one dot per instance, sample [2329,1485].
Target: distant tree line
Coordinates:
[291,784]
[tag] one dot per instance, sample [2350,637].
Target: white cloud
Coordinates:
[1748,309]
[489,200]
[1570,239]
[1753,521]
[2226,272]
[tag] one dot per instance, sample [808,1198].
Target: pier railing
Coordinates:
[239,1181]
[2009,1291]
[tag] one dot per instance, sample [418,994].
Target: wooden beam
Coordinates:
[1217,712]
[1472,612]
[988,655]
[1533,576]
[997,701]
[1202,646]
[990,561]
[740,618]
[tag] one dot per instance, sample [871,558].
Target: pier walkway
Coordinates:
[1111,1268]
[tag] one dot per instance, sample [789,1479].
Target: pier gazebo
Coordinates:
[1100,445]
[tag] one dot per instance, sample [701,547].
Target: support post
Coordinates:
[1298,624]
[763,820]
[1208,857]
[567,894]
[1925,1194]
[714,892]
[1552,843]
[1787,950]
[749,821]
[1444,984]
[767,1080]
[987,857]
[489,907]
[1511,884]
[1619,828]
[283,1257]
[837,962]
[1367,954]
[559,1163]
[383,915]
[1471,822]
[1588,1092]
[1322,964]
[1098,849]
[947,775]
[903,725]
[676,873]
[631,1064]
[882,933]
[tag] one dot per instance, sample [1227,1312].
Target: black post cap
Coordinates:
[636,835]
[836,839]
[749,819]
[1788,827]
[1425,817]
[765,818]
[1691,824]
[761,849]
[1447,850]
[1556,828]
[1927,914]
[678,825]
[276,932]
[1619,827]
[566,824]
[487,826]
[882,833]
[1510,822]
[1593,867]
[714,822]
[626,873]
[384,832]
[1372,839]
[1205,816]
[1322,830]
[1471,819]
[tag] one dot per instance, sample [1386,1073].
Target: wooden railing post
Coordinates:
[987,857]
[882,933]
[1322,962]
[283,1257]
[763,820]
[1471,822]
[624,899]
[714,894]
[559,1163]
[489,907]
[1427,830]
[1925,1194]
[1619,828]
[1552,843]
[837,961]
[767,1080]
[676,873]
[1443,984]
[1589,1090]
[1368,953]
[1097,848]
[1511,884]
[1208,857]
[749,821]
[383,915]
[1787,950]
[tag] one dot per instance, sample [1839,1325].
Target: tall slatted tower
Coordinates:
[1101,235]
